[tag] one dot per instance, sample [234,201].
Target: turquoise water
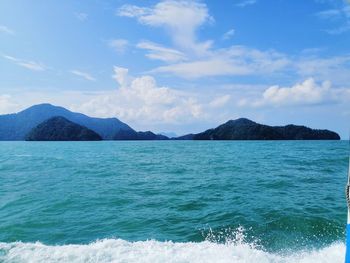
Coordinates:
[173,201]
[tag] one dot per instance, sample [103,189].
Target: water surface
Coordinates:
[175,201]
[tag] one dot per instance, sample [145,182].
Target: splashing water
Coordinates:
[117,250]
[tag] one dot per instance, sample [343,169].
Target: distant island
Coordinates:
[46,122]
[133,135]
[244,129]
[61,129]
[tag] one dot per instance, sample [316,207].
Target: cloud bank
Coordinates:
[308,92]
[142,99]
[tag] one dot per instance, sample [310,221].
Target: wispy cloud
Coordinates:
[334,68]
[6,30]
[245,3]
[158,52]
[339,30]
[329,14]
[182,29]
[229,34]
[236,60]
[118,45]
[133,11]
[6,104]
[341,16]
[203,68]
[193,59]
[28,64]
[220,101]
[82,74]
[81,16]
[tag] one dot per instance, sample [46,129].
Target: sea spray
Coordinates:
[231,236]
[120,251]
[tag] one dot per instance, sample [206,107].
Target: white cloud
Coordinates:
[332,68]
[32,65]
[309,92]
[219,102]
[158,52]
[245,61]
[312,51]
[181,19]
[328,14]
[7,105]
[81,16]
[236,60]
[340,15]
[256,60]
[340,30]
[5,29]
[141,99]
[192,59]
[229,34]
[342,12]
[121,76]
[84,75]
[133,11]
[246,3]
[119,45]
[203,68]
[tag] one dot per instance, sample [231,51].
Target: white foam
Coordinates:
[117,250]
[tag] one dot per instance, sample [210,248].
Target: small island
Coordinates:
[60,129]
[245,129]
[127,135]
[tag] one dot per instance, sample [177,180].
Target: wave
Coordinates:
[118,250]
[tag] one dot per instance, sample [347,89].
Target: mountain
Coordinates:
[169,134]
[16,126]
[244,129]
[185,137]
[133,135]
[61,129]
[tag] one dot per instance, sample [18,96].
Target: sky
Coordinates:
[180,66]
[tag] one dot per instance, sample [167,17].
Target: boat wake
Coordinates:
[118,250]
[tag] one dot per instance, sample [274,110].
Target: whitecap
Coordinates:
[121,251]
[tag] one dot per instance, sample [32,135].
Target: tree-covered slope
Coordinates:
[16,126]
[244,129]
[61,129]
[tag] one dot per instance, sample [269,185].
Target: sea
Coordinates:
[173,201]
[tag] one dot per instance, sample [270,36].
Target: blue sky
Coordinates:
[180,66]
